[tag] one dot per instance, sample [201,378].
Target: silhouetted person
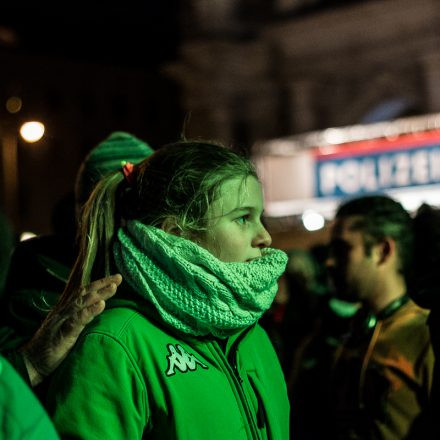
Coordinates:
[426,292]
[40,266]
[315,322]
[21,414]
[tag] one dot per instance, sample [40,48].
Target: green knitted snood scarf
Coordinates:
[192,290]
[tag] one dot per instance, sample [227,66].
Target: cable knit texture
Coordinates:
[192,290]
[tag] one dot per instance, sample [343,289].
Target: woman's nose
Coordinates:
[263,238]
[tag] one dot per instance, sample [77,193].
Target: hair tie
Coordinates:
[127,170]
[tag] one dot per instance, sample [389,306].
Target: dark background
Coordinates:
[87,69]
[129,33]
[84,70]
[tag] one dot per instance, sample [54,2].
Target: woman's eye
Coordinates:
[243,219]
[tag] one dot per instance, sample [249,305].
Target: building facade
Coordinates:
[253,70]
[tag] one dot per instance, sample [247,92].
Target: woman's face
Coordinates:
[235,232]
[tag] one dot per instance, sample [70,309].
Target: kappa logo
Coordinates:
[182,360]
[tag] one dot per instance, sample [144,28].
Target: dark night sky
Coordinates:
[129,33]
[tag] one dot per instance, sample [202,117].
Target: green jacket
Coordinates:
[131,377]
[21,415]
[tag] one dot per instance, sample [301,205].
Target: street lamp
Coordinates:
[31,131]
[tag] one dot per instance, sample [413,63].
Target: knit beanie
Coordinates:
[105,158]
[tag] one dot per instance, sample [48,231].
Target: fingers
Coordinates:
[87,314]
[102,284]
[62,326]
[72,328]
[100,290]
[73,316]
[97,308]
[93,297]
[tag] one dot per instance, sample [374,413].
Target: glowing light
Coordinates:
[13,104]
[32,131]
[334,136]
[27,235]
[312,220]
[343,308]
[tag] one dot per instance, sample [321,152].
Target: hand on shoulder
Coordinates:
[63,325]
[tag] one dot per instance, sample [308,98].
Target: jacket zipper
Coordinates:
[238,381]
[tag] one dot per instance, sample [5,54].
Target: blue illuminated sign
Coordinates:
[356,171]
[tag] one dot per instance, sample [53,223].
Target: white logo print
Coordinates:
[182,360]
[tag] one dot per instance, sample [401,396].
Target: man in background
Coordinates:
[381,381]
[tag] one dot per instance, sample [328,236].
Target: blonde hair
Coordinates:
[179,181]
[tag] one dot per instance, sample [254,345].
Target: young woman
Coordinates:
[179,353]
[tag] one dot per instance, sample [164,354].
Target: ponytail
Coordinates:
[96,229]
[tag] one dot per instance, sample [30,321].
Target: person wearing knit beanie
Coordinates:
[105,158]
[40,266]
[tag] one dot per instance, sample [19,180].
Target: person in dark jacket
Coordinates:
[40,267]
[22,416]
[426,292]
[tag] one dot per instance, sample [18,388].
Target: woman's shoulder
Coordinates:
[127,326]
[117,321]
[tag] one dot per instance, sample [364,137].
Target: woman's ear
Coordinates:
[171,226]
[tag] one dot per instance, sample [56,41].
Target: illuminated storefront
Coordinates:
[316,171]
